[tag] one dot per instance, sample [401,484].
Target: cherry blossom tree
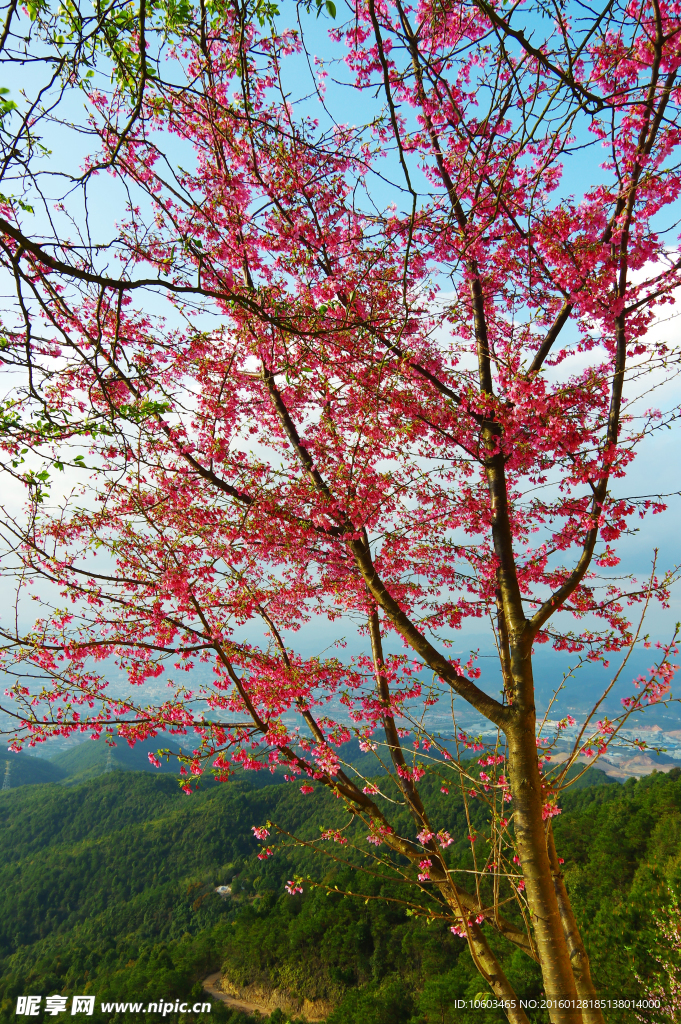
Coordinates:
[387,387]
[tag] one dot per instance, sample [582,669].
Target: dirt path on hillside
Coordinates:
[209,986]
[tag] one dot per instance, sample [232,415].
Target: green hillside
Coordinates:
[25,770]
[94,756]
[91,758]
[109,888]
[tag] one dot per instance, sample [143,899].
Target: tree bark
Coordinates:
[554,957]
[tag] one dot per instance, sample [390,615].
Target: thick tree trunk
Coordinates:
[554,957]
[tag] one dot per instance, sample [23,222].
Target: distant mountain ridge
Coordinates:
[93,758]
[24,770]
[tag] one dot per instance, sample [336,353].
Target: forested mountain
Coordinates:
[109,888]
[94,756]
[24,770]
[89,759]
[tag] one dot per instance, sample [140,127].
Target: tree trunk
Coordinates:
[554,957]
